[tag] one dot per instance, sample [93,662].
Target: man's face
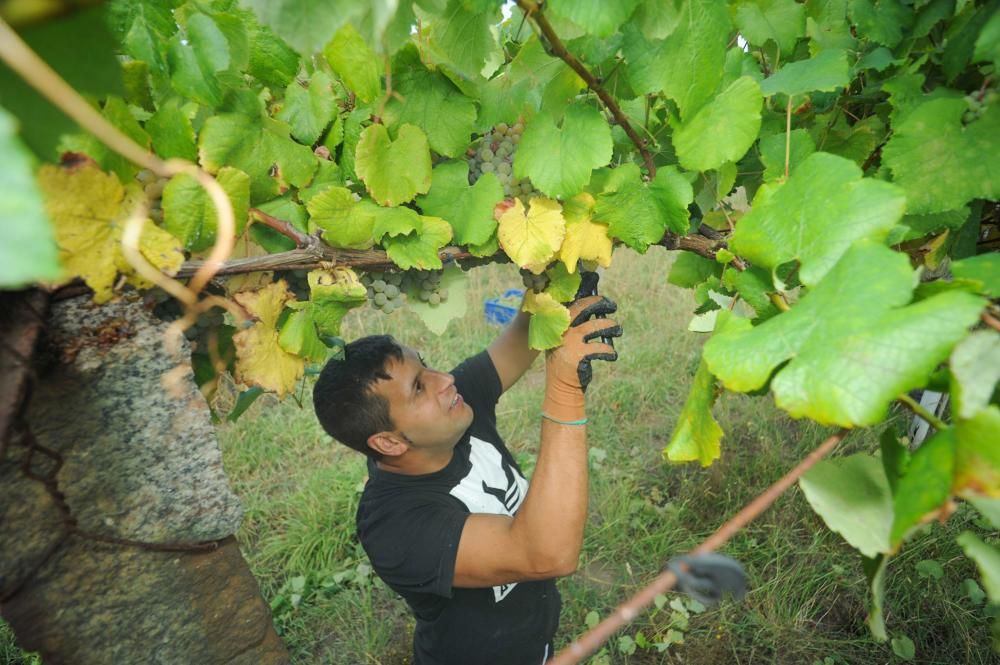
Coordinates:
[424,403]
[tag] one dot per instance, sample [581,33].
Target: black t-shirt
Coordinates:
[410,527]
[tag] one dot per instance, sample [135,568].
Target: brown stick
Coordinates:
[316,254]
[554,47]
[990,321]
[285,228]
[592,640]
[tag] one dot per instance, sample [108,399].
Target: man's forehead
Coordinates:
[399,370]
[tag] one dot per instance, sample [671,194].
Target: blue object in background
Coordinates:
[502,309]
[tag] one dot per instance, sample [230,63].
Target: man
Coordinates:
[446,517]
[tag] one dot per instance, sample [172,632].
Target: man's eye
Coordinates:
[420,386]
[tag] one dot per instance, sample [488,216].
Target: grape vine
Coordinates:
[828,169]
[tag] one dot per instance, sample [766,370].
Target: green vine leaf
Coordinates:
[393,222]
[355,63]
[332,293]
[789,224]
[171,131]
[394,172]
[983,269]
[188,211]
[975,370]
[925,488]
[687,66]
[595,16]
[196,57]
[781,21]
[306,24]
[834,340]
[722,130]
[941,164]
[463,39]
[559,160]
[261,148]
[825,72]
[419,249]
[468,208]
[639,214]
[28,252]
[344,223]
[852,496]
[772,152]
[309,108]
[549,320]
[425,98]
[977,458]
[987,558]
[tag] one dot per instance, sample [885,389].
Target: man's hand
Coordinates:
[567,368]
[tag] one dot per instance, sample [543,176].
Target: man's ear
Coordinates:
[388,444]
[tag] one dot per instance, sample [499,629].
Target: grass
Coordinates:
[808,595]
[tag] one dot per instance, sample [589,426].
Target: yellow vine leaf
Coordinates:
[260,360]
[531,239]
[88,209]
[585,238]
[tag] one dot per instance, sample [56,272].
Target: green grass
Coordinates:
[808,595]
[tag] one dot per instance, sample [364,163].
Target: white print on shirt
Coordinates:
[491,486]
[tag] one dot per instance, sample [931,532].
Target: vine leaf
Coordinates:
[772,152]
[826,72]
[272,62]
[597,17]
[722,130]
[305,24]
[559,160]
[563,284]
[393,222]
[697,435]
[639,214]
[355,63]
[941,164]
[88,209]
[688,65]
[977,455]
[881,21]
[298,334]
[260,360]
[28,252]
[463,39]
[975,370]
[585,239]
[469,209]
[171,131]
[260,147]
[532,81]
[188,211]
[427,97]
[924,489]
[790,225]
[549,320]
[984,269]
[781,21]
[195,58]
[437,317]
[393,171]
[531,238]
[419,249]
[987,558]
[851,495]
[988,42]
[835,337]
[332,293]
[344,222]
[309,109]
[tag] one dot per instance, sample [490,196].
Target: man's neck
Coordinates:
[417,462]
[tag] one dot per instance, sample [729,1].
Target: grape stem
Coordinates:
[918,409]
[991,321]
[555,48]
[285,228]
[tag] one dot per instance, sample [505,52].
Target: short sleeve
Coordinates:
[414,549]
[479,384]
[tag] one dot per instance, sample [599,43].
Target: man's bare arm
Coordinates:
[510,353]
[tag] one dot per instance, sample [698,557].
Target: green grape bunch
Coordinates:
[152,187]
[385,290]
[428,285]
[978,102]
[495,154]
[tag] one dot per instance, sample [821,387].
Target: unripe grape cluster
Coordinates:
[536,283]
[495,154]
[385,290]
[152,186]
[978,102]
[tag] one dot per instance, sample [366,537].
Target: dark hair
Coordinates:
[346,406]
